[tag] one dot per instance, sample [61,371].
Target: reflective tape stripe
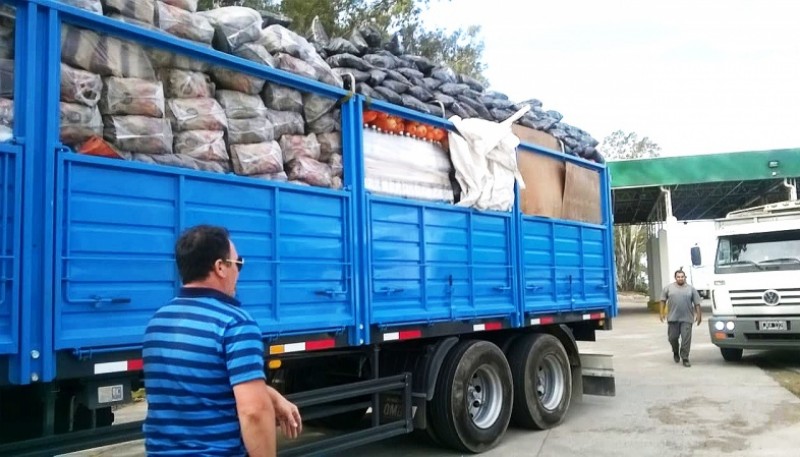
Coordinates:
[118,367]
[314,345]
[542,321]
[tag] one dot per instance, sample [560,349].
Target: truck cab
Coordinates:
[756,289]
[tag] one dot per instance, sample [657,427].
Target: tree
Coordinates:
[461,49]
[630,241]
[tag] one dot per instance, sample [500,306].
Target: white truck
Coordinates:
[756,290]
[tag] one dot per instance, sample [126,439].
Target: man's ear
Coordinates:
[218,269]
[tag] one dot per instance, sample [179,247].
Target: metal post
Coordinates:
[376,406]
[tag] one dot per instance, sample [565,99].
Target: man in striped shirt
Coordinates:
[204,362]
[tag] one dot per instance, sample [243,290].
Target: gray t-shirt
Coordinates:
[680,302]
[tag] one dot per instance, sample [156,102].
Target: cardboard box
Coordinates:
[555,188]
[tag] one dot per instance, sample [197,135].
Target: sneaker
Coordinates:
[676,357]
[686,363]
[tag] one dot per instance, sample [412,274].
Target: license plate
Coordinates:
[772,325]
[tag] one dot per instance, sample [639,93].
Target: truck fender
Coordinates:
[433,364]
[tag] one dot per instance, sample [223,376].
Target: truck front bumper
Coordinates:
[763,332]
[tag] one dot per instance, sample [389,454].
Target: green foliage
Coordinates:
[630,241]
[623,146]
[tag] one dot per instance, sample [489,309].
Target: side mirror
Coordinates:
[697,259]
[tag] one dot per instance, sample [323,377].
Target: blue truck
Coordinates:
[380,314]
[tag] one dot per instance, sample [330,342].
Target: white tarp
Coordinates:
[484,154]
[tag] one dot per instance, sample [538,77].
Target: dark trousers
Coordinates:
[682,330]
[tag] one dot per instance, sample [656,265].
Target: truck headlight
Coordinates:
[719,325]
[730,326]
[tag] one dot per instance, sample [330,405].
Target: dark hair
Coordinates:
[198,248]
[678,271]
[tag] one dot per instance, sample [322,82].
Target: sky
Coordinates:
[696,77]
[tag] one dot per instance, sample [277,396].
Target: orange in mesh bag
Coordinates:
[96,146]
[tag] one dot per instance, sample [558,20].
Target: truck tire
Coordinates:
[471,405]
[731,354]
[542,381]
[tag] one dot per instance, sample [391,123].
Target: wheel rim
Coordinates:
[550,382]
[484,396]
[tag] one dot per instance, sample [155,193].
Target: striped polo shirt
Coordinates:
[196,348]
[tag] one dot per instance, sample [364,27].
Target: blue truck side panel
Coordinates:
[86,247]
[119,225]
[438,262]
[10,174]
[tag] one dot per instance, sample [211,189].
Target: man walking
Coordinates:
[204,362]
[683,303]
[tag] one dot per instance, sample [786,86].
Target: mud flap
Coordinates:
[597,374]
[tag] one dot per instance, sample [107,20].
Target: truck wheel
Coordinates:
[542,381]
[471,406]
[731,354]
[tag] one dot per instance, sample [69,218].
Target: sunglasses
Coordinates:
[239,262]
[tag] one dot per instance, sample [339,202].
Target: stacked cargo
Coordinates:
[226,121]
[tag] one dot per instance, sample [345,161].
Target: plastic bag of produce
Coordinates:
[387,94]
[187,84]
[166,59]
[143,134]
[325,124]
[234,26]
[376,77]
[7,78]
[340,46]
[316,106]
[282,98]
[95,6]
[294,146]
[255,53]
[384,62]
[6,112]
[238,105]
[141,10]
[412,102]
[296,66]
[286,123]
[104,55]
[257,158]
[280,40]
[183,24]
[335,162]
[358,75]
[309,171]
[188,5]
[229,79]
[349,61]
[196,114]
[396,86]
[202,145]
[80,86]
[329,144]
[246,131]
[182,161]
[125,96]
[367,91]
[79,122]
[317,33]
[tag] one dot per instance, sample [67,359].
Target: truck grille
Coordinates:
[754,301]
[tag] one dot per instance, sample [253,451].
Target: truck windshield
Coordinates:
[758,252]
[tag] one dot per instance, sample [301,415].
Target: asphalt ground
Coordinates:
[661,408]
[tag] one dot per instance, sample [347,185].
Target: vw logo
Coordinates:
[771,297]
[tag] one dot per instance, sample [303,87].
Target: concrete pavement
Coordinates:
[661,408]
